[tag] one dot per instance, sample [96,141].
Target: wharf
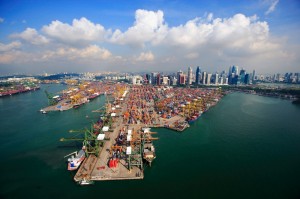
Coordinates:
[61,106]
[97,169]
[138,110]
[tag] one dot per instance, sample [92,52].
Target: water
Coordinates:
[245,147]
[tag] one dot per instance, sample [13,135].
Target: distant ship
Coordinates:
[193,118]
[93,96]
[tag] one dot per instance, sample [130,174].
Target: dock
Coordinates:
[132,110]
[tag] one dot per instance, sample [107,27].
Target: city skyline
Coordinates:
[39,37]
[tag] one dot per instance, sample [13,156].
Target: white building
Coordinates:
[190,76]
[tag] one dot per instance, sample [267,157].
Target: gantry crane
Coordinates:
[90,142]
[51,101]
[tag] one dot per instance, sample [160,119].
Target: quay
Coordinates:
[122,140]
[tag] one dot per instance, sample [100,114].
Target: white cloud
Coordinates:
[32,36]
[236,34]
[81,30]
[15,56]
[210,17]
[200,41]
[90,52]
[1,20]
[272,7]
[10,46]
[192,55]
[145,56]
[149,26]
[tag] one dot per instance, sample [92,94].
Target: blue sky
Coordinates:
[41,36]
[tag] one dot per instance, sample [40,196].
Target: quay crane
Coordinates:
[51,98]
[90,142]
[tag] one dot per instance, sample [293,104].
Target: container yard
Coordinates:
[121,142]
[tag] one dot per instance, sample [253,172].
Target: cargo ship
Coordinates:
[93,96]
[75,161]
[193,118]
[149,149]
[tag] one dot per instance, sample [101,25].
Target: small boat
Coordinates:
[43,111]
[85,182]
[75,161]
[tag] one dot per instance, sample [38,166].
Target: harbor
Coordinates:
[214,148]
[122,142]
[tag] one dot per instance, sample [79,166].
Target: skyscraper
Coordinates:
[208,78]
[198,75]
[178,76]
[242,76]
[203,77]
[253,76]
[153,78]
[190,75]
[216,79]
[158,79]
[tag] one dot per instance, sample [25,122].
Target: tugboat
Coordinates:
[75,161]
[85,182]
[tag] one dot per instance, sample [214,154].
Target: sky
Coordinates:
[143,36]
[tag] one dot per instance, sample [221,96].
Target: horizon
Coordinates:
[167,36]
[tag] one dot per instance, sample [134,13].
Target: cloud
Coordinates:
[80,31]
[145,56]
[10,46]
[149,26]
[32,36]
[272,7]
[236,34]
[207,40]
[1,20]
[16,56]
[90,52]
[192,55]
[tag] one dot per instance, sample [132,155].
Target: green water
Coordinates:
[245,147]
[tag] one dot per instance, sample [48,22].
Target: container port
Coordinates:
[121,142]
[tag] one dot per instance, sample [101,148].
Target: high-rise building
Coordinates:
[242,76]
[208,78]
[178,76]
[247,79]
[203,77]
[153,78]
[253,76]
[190,76]
[147,79]
[173,81]
[198,75]
[221,80]
[158,82]
[165,80]
[182,79]
[216,80]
